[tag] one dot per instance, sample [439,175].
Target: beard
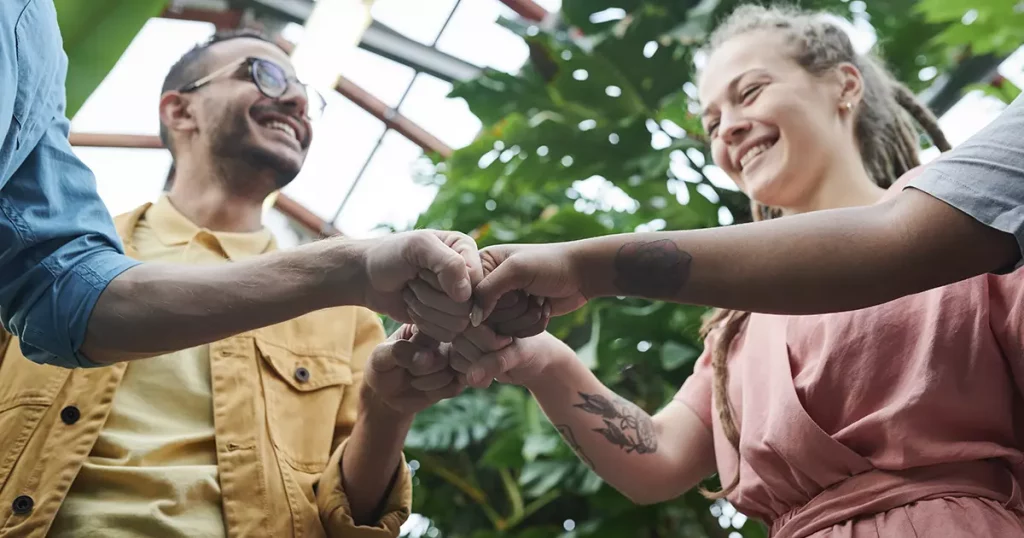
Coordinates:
[235,142]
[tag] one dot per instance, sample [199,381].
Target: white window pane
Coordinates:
[127,178]
[127,99]
[416,19]
[381,77]
[475,23]
[342,139]
[387,194]
[550,5]
[969,115]
[281,226]
[448,119]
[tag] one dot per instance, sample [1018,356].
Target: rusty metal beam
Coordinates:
[391,117]
[380,110]
[527,9]
[282,202]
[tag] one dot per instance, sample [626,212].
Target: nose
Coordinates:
[733,128]
[295,99]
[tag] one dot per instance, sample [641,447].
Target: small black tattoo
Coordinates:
[566,432]
[651,269]
[621,419]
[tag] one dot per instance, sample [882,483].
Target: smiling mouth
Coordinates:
[755,152]
[284,128]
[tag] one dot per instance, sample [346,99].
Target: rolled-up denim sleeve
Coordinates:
[58,245]
[65,251]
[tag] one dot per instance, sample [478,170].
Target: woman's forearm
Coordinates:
[155,308]
[647,459]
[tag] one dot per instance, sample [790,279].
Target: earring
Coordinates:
[848,106]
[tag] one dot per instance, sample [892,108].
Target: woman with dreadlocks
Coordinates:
[895,420]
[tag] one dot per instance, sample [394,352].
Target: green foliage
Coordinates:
[985,26]
[586,141]
[96,34]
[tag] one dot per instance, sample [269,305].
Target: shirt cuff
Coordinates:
[336,513]
[69,305]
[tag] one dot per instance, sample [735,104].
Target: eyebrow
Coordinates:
[732,86]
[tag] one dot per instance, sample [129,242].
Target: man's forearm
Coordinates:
[819,262]
[156,308]
[372,456]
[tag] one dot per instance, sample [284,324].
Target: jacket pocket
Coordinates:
[27,391]
[303,390]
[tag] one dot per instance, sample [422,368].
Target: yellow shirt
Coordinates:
[153,469]
[285,398]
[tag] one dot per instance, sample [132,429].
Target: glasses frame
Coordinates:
[315,100]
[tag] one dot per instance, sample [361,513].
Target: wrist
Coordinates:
[591,266]
[347,278]
[375,411]
[552,375]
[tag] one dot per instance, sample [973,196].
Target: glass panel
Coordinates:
[281,226]
[1013,68]
[387,194]
[448,119]
[381,77]
[127,178]
[969,115]
[475,36]
[127,99]
[342,140]
[550,5]
[420,20]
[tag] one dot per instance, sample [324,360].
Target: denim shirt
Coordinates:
[58,245]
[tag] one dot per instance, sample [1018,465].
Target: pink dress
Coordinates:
[904,419]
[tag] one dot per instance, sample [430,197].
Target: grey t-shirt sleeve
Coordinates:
[984,176]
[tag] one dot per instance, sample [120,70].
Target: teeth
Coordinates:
[283,127]
[754,152]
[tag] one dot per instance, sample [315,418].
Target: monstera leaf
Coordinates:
[96,34]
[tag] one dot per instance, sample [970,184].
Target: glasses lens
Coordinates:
[270,78]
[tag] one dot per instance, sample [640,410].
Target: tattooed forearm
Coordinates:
[566,432]
[625,425]
[651,269]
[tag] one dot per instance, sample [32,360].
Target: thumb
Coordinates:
[437,257]
[383,357]
[420,339]
[493,365]
[506,277]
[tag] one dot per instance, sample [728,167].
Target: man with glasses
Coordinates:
[75,300]
[292,429]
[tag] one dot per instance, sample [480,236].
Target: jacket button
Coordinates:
[70,414]
[22,505]
[301,374]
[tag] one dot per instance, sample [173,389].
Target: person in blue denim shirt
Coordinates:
[75,300]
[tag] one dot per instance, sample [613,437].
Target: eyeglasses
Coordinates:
[272,81]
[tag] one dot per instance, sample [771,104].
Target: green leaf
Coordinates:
[95,35]
[539,477]
[674,355]
[540,444]
[505,451]
[588,353]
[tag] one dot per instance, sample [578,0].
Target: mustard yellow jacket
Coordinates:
[280,435]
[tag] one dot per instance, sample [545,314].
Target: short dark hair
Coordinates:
[192,66]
